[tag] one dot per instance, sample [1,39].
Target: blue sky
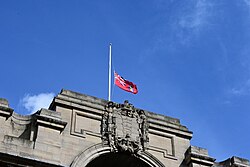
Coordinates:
[190,60]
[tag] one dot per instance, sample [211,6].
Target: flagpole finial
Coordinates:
[110,43]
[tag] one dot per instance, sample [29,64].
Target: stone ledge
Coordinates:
[78,98]
[237,161]
[71,99]
[70,102]
[50,119]
[197,155]
[6,111]
[168,129]
[233,162]
[163,118]
[18,141]
[15,160]
[4,102]
[21,119]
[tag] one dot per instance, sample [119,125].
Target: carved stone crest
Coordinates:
[124,128]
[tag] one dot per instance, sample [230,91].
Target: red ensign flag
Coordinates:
[125,84]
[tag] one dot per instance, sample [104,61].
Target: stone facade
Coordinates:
[80,130]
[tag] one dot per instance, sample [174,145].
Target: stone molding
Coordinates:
[50,119]
[233,162]
[96,150]
[239,162]
[166,124]
[10,160]
[197,155]
[83,132]
[6,111]
[73,100]
[70,99]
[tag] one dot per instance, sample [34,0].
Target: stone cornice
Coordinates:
[240,162]
[163,123]
[198,155]
[70,97]
[74,100]
[233,162]
[21,160]
[50,119]
[6,111]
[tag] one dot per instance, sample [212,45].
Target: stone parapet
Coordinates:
[196,156]
[74,100]
[233,162]
[4,102]
[5,110]
[167,124]
[50,119]
[240,162]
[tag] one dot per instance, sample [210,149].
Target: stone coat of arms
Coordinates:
[124,128]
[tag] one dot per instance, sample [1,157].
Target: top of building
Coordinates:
[79,99]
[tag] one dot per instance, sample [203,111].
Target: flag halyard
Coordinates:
[125,84]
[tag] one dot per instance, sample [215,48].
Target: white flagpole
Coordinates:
[110,61]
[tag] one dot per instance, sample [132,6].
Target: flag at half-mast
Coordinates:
[125,84]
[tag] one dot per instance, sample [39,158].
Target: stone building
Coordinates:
[84,131]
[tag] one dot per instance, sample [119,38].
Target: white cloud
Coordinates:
[192,19]
[195,18]
[247,2]
[36,102]
[244,89]
[181,23]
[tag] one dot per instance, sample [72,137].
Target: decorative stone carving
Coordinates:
[124,128]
